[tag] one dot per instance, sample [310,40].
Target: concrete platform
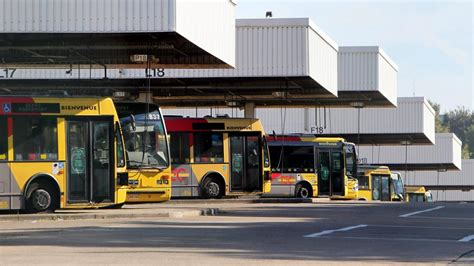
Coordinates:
[127,212]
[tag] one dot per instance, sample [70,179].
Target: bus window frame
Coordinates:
[4,137]
[194,150]
[120,143]
[53,117]
[189,148]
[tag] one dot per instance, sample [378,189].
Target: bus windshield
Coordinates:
[145,140]
[398,184]
[351,160]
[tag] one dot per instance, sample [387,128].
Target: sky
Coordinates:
[432,42]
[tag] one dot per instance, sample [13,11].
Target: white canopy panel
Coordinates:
[445,154]
[207,25]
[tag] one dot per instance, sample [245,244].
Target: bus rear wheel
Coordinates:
[41,198]
[213,189]
[303,191]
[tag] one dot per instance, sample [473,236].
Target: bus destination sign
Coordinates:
[36,108]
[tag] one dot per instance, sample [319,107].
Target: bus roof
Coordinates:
[415,189]
[14,105]
[305,138]
[188,124]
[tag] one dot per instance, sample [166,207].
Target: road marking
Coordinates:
[467,238]
[326,232]
[446,218]
[424,227]
[392,239]
[427,210]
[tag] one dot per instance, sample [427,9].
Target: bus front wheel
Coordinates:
[303,191]
[41,198]
[212,189]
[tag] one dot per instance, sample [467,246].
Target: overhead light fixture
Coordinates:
[121,94]
[405,142]
[233,104]
[280,94]
[143,58]
[357,104]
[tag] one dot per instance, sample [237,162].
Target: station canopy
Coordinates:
[125,34]
[445,154]
[279,62]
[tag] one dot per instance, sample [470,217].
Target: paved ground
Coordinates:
[254,234]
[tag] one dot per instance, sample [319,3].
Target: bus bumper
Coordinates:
[267,186]
[148,196]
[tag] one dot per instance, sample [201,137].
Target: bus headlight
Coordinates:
[165,180]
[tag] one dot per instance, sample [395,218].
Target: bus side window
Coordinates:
[363,182]
[208,148]
[298,159]
[120,153]
[35,138]
[179,146]
[3,139]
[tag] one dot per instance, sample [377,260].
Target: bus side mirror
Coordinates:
[133,122]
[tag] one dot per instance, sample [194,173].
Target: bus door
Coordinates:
[331,173]
[90,160]
[381,187]
[245,162]
[324,173]
[337,174]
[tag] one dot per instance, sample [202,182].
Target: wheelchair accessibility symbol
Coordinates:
[7,108]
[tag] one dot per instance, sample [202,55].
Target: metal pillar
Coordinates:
[144,97]
[249,110]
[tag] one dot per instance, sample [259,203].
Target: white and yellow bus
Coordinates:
[380,184]
[147,152]
[307,166]
[418,194]
[214,157]
[60,153]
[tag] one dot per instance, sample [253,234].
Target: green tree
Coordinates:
[459,121]
[439,126]
[469,141]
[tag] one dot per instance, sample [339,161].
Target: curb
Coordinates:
[103,216]
[238,201]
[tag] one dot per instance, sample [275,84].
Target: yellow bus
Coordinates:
[418,194]
[214,157]
[307,166]
[147,152]
[379,183]
[60,153]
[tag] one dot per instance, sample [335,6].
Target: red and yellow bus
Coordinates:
[147,152]
[214,157]
[60,153]
[307,166]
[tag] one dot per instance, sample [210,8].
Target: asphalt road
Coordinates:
[255,234]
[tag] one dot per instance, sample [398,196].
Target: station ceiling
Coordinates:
[103,50]
[264,92]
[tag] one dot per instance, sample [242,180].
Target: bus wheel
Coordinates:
[302,191]
[41,198]
[213,189]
